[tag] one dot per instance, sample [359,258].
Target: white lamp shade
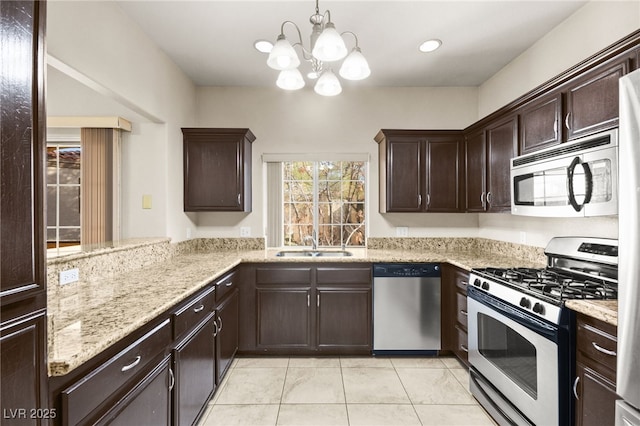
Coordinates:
[330,46]
[355,66]
[283,56]
[290,80]
[328,84]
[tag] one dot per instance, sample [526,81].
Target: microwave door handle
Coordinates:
[589,183]
[572,197]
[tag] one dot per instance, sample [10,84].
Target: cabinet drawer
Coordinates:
[461,349]
[193,312]
[597,341]
[80,399]
[461,309]
[283,275]
[344,275]
[462,280]
[225,285]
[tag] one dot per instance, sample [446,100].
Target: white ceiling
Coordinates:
[212,41]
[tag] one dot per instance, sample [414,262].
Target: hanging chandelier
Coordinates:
[326,48]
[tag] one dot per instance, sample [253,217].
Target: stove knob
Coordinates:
[485,285]
[538,308]
[476,282]
[525,303]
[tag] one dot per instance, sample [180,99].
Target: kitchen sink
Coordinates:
[313,253]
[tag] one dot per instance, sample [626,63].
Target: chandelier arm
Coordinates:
[352,33]
[305,53]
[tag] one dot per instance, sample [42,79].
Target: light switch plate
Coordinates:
[402,231]
[146,201]
[69,276]
[245,231]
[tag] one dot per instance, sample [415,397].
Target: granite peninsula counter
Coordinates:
[88,317]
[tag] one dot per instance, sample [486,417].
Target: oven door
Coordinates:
[517,354]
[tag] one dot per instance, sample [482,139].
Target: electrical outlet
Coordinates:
[245,231]
[69,276]
[402,231]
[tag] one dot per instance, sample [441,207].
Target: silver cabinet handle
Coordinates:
[198,309]
[132,365]
[555,128]
[575,387]
[464,348]
[566,120]
[463,312]
[464,283]
[308,300]
[419,200]
[220,330]
[603,350]
[238,199]
[318,300]
[229,284]
[172,379]
[215,332]
[489,197]
[482,200]
[428,199]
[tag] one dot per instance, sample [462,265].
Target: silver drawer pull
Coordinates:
[229,284]
[464,312]
[132,365]
[603,350]
[464,348]
[464,283]
[172,379]
[198,309]
[575,387]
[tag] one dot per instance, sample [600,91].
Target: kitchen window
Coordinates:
[321,202]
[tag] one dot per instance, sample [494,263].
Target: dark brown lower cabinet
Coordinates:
[22,379]
[148,403]
[454,311]
[306,309]
[596,403]
[227,337]
[194,361]
[284,318]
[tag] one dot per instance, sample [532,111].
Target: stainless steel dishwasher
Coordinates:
[406,308]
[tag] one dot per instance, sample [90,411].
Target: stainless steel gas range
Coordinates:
[521,336]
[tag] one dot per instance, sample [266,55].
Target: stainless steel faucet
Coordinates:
[314,240]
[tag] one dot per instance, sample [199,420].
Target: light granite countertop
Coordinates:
[87,318]
[604,310]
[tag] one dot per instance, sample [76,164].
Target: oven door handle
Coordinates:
[533,323]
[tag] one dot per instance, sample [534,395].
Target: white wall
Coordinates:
[592,28]
[100,42]
[303,122]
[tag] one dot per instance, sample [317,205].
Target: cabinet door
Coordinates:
[343,319]
[23,367]
[22,151]
[227,338]
[148,403]
[284,317]
[194,362]
[404,179]
[444,176]
[476,160]
[502,146]
[217,169]
[540,123]
[595,405]
[592,100]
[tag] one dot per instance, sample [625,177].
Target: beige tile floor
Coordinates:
[345,391]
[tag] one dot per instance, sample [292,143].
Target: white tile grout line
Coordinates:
[284,383]
[344,391]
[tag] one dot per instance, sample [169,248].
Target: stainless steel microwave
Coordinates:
[573,179]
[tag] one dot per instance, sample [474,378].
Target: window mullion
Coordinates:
[316,204]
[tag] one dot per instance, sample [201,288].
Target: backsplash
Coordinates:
[525,252]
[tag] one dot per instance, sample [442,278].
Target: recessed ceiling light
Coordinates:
[263,46]
[430,45]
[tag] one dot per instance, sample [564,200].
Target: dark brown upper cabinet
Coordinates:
[488,165]
[592,99]
[217,169]
[540,123]
[421,171]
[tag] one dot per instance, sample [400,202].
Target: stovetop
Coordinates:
[550,284]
